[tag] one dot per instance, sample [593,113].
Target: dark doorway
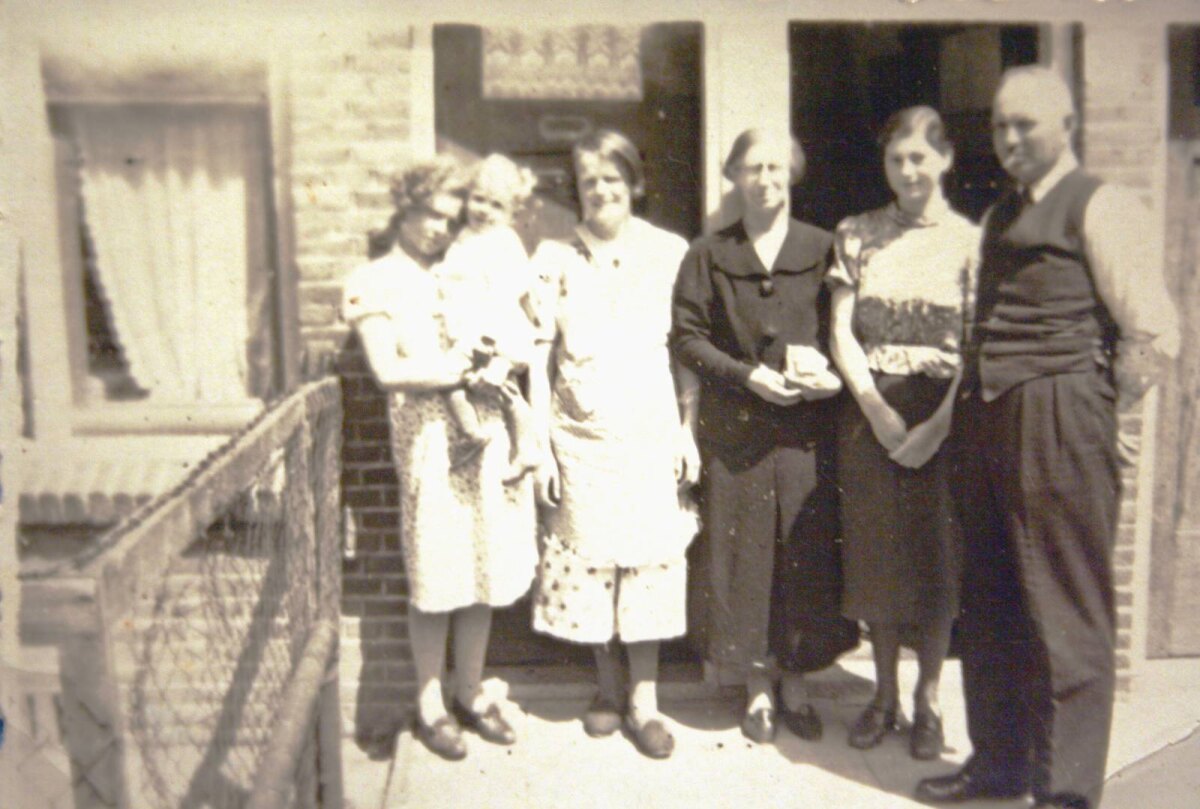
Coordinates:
[847,79]
[537,126]
[665,122]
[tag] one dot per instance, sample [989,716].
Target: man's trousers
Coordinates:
[1039,488]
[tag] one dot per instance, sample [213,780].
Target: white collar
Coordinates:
[1065,164]
[610,248]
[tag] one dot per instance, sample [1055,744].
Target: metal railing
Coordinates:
[198,639]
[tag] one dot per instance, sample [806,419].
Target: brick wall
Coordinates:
[349,124]
[1123,142]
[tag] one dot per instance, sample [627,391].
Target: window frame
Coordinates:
[115,417]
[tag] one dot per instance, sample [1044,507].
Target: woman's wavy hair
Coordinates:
[921,119]
[413,187]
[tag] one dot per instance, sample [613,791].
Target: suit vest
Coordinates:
[1037,312]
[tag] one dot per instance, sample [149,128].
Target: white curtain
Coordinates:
[165,200]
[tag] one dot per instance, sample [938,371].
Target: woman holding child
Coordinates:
[467,517]
[613,572]
[902,286]
[748,321]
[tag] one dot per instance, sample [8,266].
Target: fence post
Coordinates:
[91,705]
[329,731]
[298,712]
[327,462]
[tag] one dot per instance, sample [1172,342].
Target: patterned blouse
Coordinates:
[915,280]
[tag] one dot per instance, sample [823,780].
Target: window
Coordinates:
[167,251]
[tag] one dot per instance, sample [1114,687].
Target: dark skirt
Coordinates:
[902,546]
[771,566]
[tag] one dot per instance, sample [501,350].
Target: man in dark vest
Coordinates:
[1071,311]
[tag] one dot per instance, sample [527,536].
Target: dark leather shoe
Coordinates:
[872,725]
[804,722]
[651,739]
[927,739]
[602,717]
[964,785]
[490,725]
[443,737]
[380,747]
[759,725]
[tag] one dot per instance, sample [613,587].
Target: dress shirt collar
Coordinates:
[1065,164]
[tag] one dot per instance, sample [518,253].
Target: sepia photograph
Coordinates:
[535,404]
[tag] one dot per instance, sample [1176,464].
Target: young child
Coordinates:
[489,309]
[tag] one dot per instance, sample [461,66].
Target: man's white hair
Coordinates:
[1048,85]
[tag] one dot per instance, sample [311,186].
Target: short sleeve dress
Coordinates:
[467,538]
[613,558]
[915,281]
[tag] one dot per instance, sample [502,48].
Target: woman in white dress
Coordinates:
[613,566]
[468,540]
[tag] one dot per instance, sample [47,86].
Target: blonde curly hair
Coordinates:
[499,172]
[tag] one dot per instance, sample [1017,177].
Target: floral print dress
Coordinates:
[613,556]
[467,538]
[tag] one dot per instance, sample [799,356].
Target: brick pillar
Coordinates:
[349,107]
[1124,117]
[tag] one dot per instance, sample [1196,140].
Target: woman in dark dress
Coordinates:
[902,285]
[747,297]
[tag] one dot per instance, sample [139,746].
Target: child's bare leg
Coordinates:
[465,416]
[518,418]
[467,420]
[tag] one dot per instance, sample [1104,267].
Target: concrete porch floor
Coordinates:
[554,764]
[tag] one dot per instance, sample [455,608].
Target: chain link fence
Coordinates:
[202,636]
